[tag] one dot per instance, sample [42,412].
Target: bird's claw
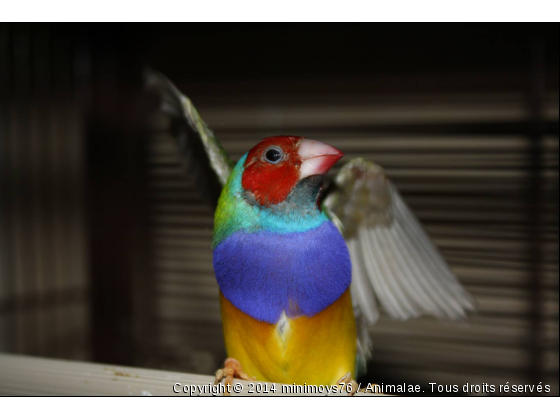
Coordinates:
[347,379]
[232,369]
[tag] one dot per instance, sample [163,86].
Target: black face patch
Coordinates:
[307,190]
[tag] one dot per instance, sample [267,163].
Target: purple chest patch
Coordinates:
[301,273]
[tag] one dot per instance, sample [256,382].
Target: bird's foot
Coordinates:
[350,383]
[232,369]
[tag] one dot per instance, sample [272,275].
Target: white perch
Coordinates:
[27,375]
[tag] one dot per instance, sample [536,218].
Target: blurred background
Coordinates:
[105,241]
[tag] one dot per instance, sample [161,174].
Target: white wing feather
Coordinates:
[395,264]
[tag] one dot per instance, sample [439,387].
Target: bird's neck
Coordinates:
[239,211]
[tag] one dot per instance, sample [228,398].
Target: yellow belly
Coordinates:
[316,350]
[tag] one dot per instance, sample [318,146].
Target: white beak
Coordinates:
[317,157]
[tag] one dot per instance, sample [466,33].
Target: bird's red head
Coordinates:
[275,165]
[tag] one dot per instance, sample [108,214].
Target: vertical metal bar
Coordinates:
[116,205]
[39,178]
[81,86]
[61,196]
[19,137]
[535,206]
[6,286]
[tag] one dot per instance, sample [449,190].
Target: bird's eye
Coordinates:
[274,155]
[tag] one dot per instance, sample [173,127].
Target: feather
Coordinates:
[364,348]
[203,155]
[395,264]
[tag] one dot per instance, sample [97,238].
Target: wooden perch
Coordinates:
[26,375]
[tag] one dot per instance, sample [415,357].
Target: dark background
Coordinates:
[105,241]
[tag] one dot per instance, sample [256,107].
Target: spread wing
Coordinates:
[395,264]
[203,155]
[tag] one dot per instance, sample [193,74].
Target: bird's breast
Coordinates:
[266,274]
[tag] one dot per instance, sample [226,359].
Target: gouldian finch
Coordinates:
[283,267]
[300,275]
